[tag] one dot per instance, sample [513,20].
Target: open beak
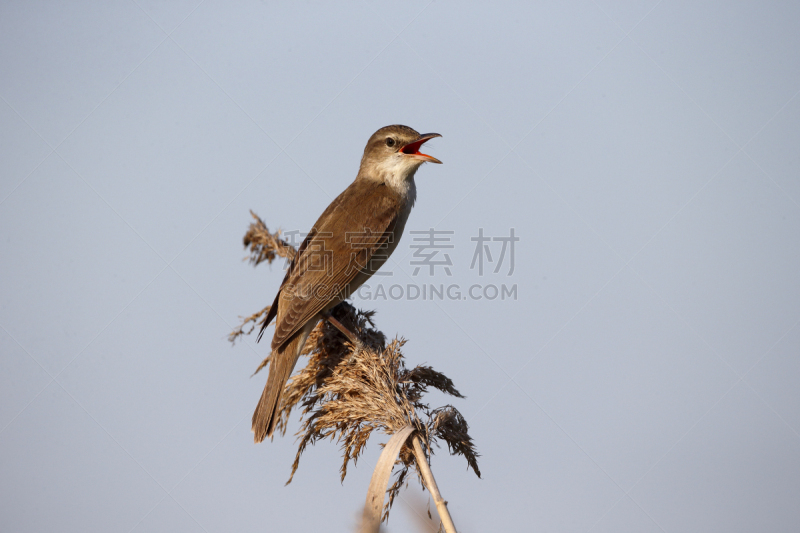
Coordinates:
[412,149]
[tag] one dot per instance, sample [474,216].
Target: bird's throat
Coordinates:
[398,173]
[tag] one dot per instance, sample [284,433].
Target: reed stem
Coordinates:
[430,483]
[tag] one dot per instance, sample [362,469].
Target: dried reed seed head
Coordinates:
[253,319]
[372,390]
[348,392]
[265,246]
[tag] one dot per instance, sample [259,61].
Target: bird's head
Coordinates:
[392,153]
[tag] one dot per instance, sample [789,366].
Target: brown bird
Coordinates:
[352,238]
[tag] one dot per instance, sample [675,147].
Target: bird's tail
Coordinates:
[281,365]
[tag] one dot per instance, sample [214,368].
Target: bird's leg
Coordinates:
[338,325]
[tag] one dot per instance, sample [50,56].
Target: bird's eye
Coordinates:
[389,142]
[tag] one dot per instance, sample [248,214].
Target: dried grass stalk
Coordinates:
[347,392]
[250,323]
[265,246]
[430,482]
[371,518]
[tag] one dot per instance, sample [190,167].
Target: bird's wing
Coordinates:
[357,224]
[273,309]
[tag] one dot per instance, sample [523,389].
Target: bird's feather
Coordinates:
[340,246]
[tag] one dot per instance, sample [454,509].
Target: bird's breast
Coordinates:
[382,255]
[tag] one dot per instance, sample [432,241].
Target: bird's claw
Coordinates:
[352,337]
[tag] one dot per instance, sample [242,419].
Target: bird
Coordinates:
[349,242]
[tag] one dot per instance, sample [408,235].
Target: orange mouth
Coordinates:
[412,148]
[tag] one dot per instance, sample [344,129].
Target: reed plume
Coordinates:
[345,392]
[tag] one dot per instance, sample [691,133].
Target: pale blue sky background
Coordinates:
[646,154]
